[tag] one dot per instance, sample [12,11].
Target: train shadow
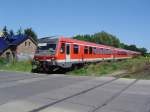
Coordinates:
[59,71]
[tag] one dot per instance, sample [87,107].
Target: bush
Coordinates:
[2,61]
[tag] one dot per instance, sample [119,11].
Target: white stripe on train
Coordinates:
[89,60]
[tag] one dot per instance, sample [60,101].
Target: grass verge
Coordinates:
[23,66]
[135,68]
[138,68]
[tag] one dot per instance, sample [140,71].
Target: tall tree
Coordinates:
[31,33]
[19,32]
[106,38]
[5,33]
[11,33]
[115,41]
[143,51]
[111,40]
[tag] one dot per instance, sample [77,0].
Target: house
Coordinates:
[23,47]
[20,47]
[5,51]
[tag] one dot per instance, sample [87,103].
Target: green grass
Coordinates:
[96,69]
[138,68]
[132,66]
[23,66]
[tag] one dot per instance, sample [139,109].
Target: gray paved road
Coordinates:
[23,92]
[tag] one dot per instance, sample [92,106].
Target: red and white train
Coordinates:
[53,53]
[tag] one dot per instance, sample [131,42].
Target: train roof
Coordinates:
[48,39]
[84,43]
[129,51]
[95,45]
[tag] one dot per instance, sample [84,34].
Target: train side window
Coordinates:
[90,50]
[124,53]
[117,53]
[76,49]
[85,50]
[62,50]
[109,51]
[101,51]
[95,50]
[104,51]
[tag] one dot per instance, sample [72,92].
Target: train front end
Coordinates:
[45,56]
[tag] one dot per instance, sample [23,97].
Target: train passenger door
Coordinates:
[68,52]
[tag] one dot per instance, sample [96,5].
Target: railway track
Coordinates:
[114,96]
[86,91]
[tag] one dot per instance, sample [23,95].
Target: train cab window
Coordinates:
[90,50]
[62,50]
[76,49]
[85,50]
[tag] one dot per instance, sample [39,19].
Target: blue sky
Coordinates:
[127,19]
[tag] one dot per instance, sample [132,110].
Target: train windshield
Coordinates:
[47,47]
